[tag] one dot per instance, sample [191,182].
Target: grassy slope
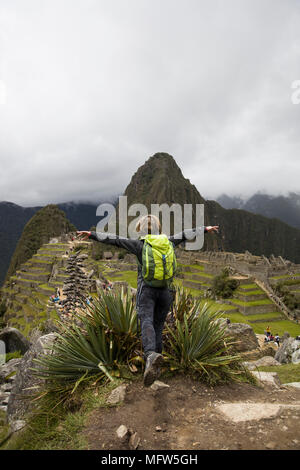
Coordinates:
[286,372]
[61,428]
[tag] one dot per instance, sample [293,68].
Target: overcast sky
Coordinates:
[89,89]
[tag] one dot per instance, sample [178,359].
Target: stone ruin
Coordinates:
[77,287]
[246,263]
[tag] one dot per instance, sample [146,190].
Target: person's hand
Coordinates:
[214,228]
[83,235]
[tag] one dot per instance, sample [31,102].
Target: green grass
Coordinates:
[13,355]
[202,278]
[253,292]
[265,316]
[4,427]
[127,276]
[29,311]
[285,276]
[57,426]
[289,282]
[6,290]
[41,297]
[56,284]
[201,274]
[50,250]
[279,327]
[193,292]
[286,372]
[238,318]
[27,281]
[195,282]
[196,266]
[34,260]
[219,306]
[53,315]
[34,303]
[63,245]
[46,286]
[248,286]
[252,303]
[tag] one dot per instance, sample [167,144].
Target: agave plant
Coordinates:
[116,313]
[101,341]
[198,345]
[184,303]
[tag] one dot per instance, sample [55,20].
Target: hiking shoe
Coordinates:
[153,363]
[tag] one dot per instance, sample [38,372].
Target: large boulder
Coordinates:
[270,378]
[8,371]
[288,352]
[296,357]
[14,340]
[26,383]
[263,361]
[243,336]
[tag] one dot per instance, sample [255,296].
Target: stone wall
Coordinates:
[260,267]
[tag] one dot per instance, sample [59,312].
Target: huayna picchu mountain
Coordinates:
[46,223]
[160,180]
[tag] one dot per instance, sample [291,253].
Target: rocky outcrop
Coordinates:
[269,378]
[8,371]
[289,352]
[117,395]
[14,340]
[262,362]
[243,412]
[26,383]
[243,336]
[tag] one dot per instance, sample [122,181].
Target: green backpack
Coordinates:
[159,261]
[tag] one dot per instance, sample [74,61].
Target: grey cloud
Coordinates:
[93,88]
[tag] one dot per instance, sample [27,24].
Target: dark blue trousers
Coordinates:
[153,305]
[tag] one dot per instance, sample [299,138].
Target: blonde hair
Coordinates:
[148,224]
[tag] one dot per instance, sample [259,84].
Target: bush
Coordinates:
[288,298]
[223,286]
[198,345]
[13,355]
[183,302]
[2,308]
[79,248]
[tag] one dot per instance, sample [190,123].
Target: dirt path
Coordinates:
[188,416]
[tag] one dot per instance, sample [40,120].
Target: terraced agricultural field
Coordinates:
[29,289]
[257,312]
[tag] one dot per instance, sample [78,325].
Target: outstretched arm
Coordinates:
[131,245]
[189,233]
